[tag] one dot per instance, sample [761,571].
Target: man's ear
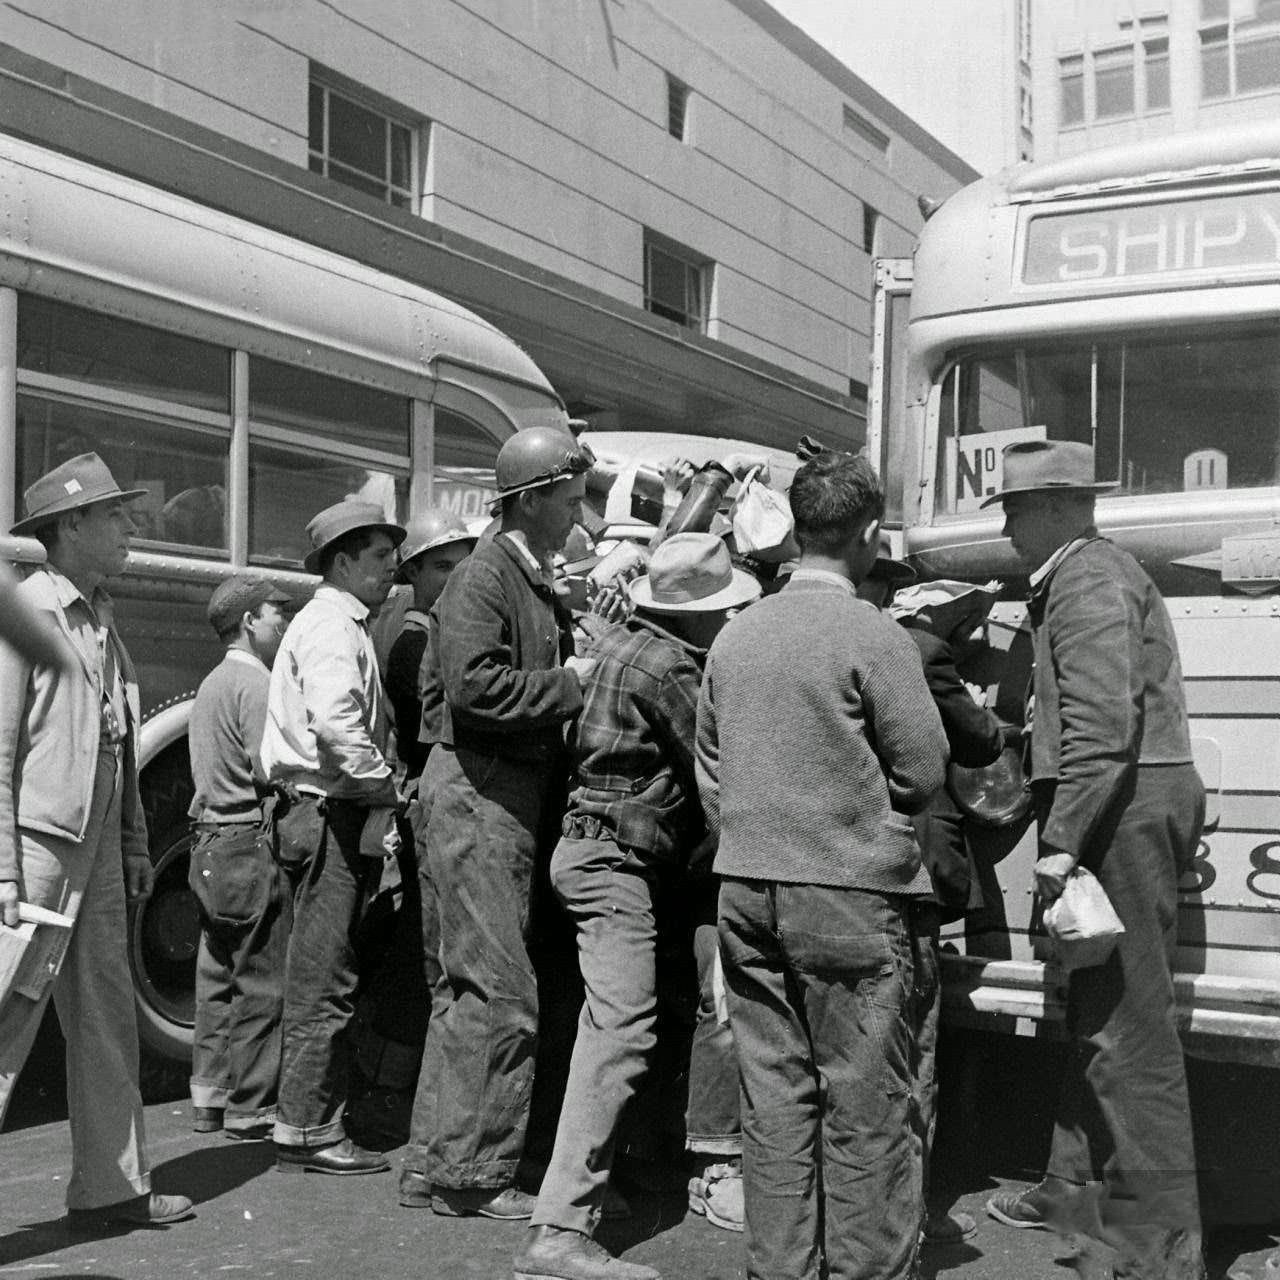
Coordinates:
[871,533]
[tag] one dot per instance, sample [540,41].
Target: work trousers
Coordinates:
[93,993]
[713,1117]
[471,1107]
[613,898]
[1123,1117]
[332,885]
[245,913]
[925,1008]
[819,981]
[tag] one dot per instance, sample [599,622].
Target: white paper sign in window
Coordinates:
[975,464]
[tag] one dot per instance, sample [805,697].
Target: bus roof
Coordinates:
[94,238]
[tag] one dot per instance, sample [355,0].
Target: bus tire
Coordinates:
[164,931]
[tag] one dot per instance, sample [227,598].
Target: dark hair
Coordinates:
[832,497]
[351,544]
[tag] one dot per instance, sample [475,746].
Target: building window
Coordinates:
[676,282]
[870,224]
[1024,33]
[1113,83]
[1024,108]
[1155,74]
[858,124]
[1239,52]
[677,109]
[1071,91]
[362,146]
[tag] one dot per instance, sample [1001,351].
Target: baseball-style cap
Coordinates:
[235,597]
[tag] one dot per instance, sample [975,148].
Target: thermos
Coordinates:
[700,504]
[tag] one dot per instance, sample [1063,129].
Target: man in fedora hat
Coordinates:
[245,906]
[1115,791]
[816,740]
[325,744]
[73,838]
[510,684]
[633,820]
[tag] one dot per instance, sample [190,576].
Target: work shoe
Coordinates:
[615,1206]
[716,1193]
[552,1253]
[1020,1208]
[249,1132]
[206,1119]
[338,1157]
[141,1211]
[415,1189]
[509,1204]
[948,1228]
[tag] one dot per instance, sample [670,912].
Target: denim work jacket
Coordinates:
[1108,687]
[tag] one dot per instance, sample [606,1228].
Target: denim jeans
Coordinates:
[925,1007]
[713,1118]
[245,914]
[321,973]
[1123,1116]
[471,1108]
[818,984]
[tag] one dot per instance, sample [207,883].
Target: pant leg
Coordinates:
[781,1102]
[850,954]
[321,976]
[611,897]
[210,1068]
[1124,1114]
[925,1007]
[713,1120]
[482,841]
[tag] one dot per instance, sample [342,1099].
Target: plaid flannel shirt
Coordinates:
[633,743]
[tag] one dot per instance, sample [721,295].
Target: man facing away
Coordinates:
[816,739]
[245,907]
[73,838]
[510,684]
[325,741]
[1115,791]
[633,820]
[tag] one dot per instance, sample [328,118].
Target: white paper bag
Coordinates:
[1082,922]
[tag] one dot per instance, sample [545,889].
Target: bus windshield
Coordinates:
[1165,414]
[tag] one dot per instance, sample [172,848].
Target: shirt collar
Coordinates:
[649,624]
[1040,574]
[518,548]
[825,576]
[343,600]
[67,593]
[243,655]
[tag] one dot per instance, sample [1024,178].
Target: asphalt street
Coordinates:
[251,1219]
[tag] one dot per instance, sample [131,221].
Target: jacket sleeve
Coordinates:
[974,736]
[903,723]
[1095,639]
[482,682]
[707,754]
[15,676]
[676,714]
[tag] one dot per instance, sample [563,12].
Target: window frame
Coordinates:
[677,90]
[1222,29]
[696,267]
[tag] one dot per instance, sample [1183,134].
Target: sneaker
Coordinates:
[716,1194]
[508,1204]
[554,1253]
[141,1211]
[948,1228]
[1024,1209]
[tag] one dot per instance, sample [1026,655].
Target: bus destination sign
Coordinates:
[1222,233]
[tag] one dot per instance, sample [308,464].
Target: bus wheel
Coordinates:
[164,931]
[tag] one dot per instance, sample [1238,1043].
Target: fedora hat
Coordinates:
[692,573]
[887,569]
[1040,466]
[78,482]
[343,518]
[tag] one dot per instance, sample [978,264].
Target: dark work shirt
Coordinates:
[403,664]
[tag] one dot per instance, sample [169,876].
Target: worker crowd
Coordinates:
[685,783]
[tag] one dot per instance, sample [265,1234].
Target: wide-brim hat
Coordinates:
[1048,466]
[79,482]
[342,518]
[692,573]
[887,569]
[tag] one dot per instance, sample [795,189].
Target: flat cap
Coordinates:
[235,597]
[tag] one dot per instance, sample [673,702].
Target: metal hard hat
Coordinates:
[539,456]
[438,528]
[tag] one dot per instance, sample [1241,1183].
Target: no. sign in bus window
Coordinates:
[974,467]
[1221,233]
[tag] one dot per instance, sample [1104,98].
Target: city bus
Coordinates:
[1130,299]
[245,380]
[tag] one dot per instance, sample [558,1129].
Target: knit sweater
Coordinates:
[225,733]
[816,738]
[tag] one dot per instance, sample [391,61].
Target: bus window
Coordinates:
[1165,415]
[184,471]
[463,479]
[314,440]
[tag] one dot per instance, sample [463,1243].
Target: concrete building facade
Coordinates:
[672,207]
[1116,71]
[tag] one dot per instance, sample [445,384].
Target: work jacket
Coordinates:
[1107,684]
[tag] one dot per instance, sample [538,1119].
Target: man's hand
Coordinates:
[581,667]
[9,902]
[611,602]
[1050,875]
[139,879]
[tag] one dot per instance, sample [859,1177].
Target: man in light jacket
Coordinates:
[73,839]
